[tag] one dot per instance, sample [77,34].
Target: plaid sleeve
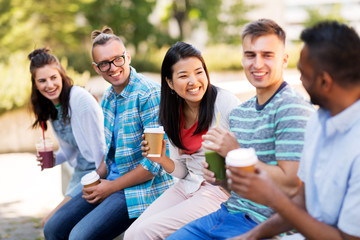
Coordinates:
[149,114]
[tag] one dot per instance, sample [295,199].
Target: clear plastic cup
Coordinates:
[44,148]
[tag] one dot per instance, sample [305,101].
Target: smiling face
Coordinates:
[118,77]
[264,60]
[189,80]
[49,82]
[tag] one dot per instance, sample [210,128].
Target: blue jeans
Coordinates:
[78,219]
[217,225]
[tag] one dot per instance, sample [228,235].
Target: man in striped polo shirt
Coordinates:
[328,203]
[272,123]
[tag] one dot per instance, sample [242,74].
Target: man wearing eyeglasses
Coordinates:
[129,182]
[109,70]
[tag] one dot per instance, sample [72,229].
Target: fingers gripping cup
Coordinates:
[154,138]
[90,179]
[242,158]
[216,164]
[45,149]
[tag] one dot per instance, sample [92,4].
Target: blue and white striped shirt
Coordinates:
[138,107]
[275,130]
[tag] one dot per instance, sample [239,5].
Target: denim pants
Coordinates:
[78,219]
[217,225]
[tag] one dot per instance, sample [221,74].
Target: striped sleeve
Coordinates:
[290,121]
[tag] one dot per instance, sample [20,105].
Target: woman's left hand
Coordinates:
[145,150]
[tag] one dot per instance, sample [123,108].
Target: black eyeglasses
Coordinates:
[106,65]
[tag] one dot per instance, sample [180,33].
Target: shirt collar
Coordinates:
[127,90]
[261,107]
[342,121]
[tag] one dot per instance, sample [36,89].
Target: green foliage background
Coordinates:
[15,84]
[65,27]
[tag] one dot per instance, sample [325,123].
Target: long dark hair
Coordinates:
[42,107]
[171,103]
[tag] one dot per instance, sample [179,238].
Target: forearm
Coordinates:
[270,228]
[276,224]
[304,223]
[167,164]
[296,215]
[102,170]
[134,177]
[283,175]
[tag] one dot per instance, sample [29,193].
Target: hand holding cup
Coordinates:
[243,159]
[154,145]
[208,175]
[216,164]
[88,181]
[45,154]
[220,140]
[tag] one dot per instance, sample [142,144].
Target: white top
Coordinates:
[87,123]
[188,167]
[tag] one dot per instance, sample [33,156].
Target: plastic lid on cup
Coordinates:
[154,130]
[90,178]
[44,143]
[241,157]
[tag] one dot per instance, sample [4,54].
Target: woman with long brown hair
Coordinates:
[74,115]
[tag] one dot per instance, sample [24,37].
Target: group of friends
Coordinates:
[307,179]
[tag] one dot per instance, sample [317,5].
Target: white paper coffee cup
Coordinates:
[90,179]
[242,158]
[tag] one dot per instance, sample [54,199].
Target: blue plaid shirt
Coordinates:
[138,107]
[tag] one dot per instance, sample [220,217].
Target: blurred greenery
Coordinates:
[223,57]
[223,19]
[148,28]
[317,14]
[294,53]
[145,25]
[15,84]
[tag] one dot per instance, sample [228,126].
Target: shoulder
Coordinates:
[80,98]
[78,92]
[288,95]
[224,96]
[290,100]
[144,83]
[143,86]
[250,103]
[225,102]
[244,110]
